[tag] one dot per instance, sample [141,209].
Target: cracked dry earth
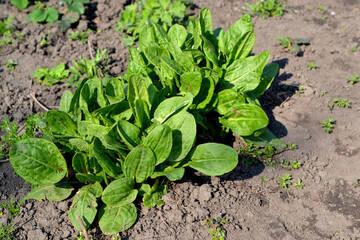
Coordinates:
[328,207]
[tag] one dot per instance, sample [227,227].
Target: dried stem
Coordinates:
[83,228]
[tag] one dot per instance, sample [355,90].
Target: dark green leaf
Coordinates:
[160,142]
[52,15]
[120,192]
[37,15]
[264,137]
[105,161]
[22,4]
[57,192]
[86,177]
[65,101]
[80,163]
[190,82]
[129,133]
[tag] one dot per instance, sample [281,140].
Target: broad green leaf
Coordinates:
[22,4]
[137,89]
[206,93]
[221,43]
[129,133]
[61,123]
[84,205]
[105,161]
[86,177]
[80,144]
[268,75]
[98,131]
[116,219]
[245,119]
[173,65]
[183,128]
[171,106]
[38,161]
[246,72]
[146,37]
[153,197]
[136,56]
[177,34]
[243,47]
[52,15]
[235,33]
[120,192]
[190,82]
[142,113]
[173,174]
[154,53]
[160,33]
[211,51]
[77,7]
[56,192]
[80,163]
[37,15]
[213,159]
[113,111]
[160,142]
[65,101]
[140,163]
[227,99]
[115,89]
[264,137]
[205,20]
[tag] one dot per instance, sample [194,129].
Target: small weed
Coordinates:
[12,207]
[354,79]
[357,183]
[11,64]
[285,180]
[50,76]
[264,179]
[299,184]
[6,28]
[300,90]
[353,49]
[327,124]
[44,42]
[292,146]
[80,36]
[5,231]
[321,8]
[312,66]
[323,93]
[295,164]
[343,103]
[325,17]
[267,8]
[216,227]
[292,44]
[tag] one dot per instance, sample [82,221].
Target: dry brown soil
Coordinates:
[327,208]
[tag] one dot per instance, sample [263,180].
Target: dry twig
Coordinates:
[39,103]
[83,228]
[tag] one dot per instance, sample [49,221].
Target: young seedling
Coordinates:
[343,103]
[285,180]
[323,93]
[292,44]
[41,13]
[11,64]
[357,183]
[80,36]
[321,8]
[327,124]
[264,179]
[216,226]
[312,65]
[295,164]
[292,146]
[300,90]
[44,42]
[50,76]
[354,79]
[299,184]
[267,8]
[6,28]
[353,49]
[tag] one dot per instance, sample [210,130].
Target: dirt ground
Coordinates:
[328,206]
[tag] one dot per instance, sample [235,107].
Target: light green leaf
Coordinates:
[227,99]
[160,142]
[153,197]
[38,161]
[140,163]
[57,192]
[52,15]
[205,20]
[61,123]
[105,161]
[120,192]
[65,101]
[129,133]
[80,163]
[37,15]
[177,34]
[22,4]
[116,219]
[244,119]
[213,159]
[190,82]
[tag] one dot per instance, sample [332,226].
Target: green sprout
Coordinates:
[354,79]
[267,8]
[295,164]
[292,44]
[321,8]
[11,64]
[312,65]
[327,124]
[216,226]
[299,184]
[264,179]
[343,103]
[285,180]
[353,49]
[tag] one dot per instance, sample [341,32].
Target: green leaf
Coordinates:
[177,34]
[171,106]
[79,144]
[153,197]
[22,4]
[206,93]
[38,161]
[160,142]
[140,163]
[37,15]
[86,177]
[264,137]
[142,113]
[173,174]
[57,192]
[246,72]
[205,20]
[105,161]
[61,123]
[243,47]
[52,15]
[77,7]
[227,99]
[116,219]
[183,128]
[120,192]
[137,90]
[190,82]
[80,163]
[146,37]
[129,133]
[84,205]
[65,101]
[115,89]
[244,119]
[213,159]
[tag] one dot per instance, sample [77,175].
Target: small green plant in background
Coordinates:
[323,93]
[264,179]
[292,44]
[301,90]
[79,36]
[354,79]
[164,12]
[299,184]
[327,124]
[267,8]
[50,76]
[353,49]
[357,183]
[22,4]
[44,42]
[13,209]
[311,66]
[216,226]
[285,180]
[41,13]
[292,146]
[11,64]
[6,28]
[343,103]
[321,8]
[295,164]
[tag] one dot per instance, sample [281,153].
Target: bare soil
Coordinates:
[327,208]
